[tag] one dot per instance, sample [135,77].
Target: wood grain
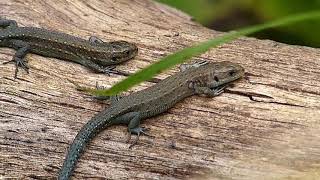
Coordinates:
[267,126]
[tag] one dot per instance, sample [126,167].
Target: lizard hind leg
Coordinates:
[138,131]
[133,120]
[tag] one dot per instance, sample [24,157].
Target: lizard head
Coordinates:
[112,53]
[218,74]
[122,51]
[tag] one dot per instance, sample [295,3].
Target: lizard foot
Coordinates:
[110,69]
[138,131]
[19,62]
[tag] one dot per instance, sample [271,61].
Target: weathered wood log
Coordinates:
[266,126]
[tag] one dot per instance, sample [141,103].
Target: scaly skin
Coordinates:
[93,53]
[201,78]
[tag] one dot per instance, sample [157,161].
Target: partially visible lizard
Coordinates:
[200,78]
[93,53]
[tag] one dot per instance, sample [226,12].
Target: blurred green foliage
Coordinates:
[227,15]
[203,11]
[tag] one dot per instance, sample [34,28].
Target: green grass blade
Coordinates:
[185,54]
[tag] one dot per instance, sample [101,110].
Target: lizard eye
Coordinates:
[216,78]
[232,72]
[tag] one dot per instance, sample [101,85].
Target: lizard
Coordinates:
[202,78]
[94,53]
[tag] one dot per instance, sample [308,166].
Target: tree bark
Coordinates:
[266,126]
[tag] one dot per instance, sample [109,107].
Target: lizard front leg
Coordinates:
[94,66]
[203,90]
[23,48]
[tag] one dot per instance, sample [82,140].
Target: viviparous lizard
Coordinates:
[94,53]
[202,78]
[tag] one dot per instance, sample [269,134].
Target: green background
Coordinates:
[225,15]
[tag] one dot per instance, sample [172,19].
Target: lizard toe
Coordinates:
[138,131]
[110,69]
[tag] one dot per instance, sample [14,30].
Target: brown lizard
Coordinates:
[203,78]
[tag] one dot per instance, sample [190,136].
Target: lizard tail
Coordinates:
[87,132]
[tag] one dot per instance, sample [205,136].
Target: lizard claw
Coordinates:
[19,62]
[217,91]
[108,70]
[138,131]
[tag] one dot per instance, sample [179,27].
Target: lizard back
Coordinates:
[60,45]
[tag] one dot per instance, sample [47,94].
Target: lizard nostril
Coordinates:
[114,59]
